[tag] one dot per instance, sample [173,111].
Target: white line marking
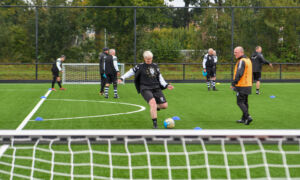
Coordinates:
[3,148]
[25,121]
[142,108]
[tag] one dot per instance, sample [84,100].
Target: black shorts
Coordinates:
[111,78]
[157,94]
[256,76]
[211,72]
[55,73]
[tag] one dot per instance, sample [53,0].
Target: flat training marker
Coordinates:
[197,128]
[176,118]
[39,119]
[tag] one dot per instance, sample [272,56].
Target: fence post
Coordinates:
[134,46]
[232,40]
[36,41]
[183,71]
[280,76]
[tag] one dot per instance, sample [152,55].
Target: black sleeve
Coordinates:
[239,72]
[101,65]
[263,60]
[136,68]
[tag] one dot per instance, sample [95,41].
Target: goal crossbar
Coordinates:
[153,135]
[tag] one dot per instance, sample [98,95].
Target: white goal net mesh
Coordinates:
[83,73]
[150,157]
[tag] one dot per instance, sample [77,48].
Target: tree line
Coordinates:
[173,34]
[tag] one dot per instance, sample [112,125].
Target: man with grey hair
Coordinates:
[110,70]
[209,66]
[150,83]
[242,83]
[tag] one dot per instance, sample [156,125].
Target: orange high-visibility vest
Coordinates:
[246,79]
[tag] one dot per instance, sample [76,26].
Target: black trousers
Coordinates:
[242,102]
[102,84]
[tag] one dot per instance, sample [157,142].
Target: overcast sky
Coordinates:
[175,3]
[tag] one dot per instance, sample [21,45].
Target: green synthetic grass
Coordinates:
[159,162]
[191,102]
[196,107]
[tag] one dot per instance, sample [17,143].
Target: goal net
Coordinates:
[148,154]
[83,73]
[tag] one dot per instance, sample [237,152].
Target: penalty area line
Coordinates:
[4,147]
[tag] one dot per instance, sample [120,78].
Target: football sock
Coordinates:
[106,91]
[214,83]
[115,90]
[53,82]
[58,82]
[257,90]
[208,84]
[154,121]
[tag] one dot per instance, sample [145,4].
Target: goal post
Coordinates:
[151,154]
[84,73]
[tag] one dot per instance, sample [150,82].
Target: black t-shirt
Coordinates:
[210,63]
[147,76]
[109,65]
[257,61]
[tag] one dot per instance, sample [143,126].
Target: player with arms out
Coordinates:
[110,72]
[258,60]
[209,66]
[56,68]
[150,83]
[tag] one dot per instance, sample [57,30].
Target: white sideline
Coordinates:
[4,147]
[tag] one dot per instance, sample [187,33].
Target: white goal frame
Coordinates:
[213,134]
[30,139]
[96,80]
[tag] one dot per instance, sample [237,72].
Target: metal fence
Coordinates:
[181,72]
[37,35]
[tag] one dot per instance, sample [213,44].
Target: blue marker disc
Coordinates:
[39,119]
[175,118]
[197,128]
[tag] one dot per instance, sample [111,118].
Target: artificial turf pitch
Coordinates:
[191,102]
[196,107]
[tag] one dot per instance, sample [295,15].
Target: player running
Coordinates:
[257,61]
[209,65]
[150,83]
[56,68]
[110,71]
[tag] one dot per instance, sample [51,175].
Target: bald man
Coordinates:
[258,60]
[242,83]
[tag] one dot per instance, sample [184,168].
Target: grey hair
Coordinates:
[240,48]
[111,51]
[147,54]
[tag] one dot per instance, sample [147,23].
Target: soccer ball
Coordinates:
[169,123]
